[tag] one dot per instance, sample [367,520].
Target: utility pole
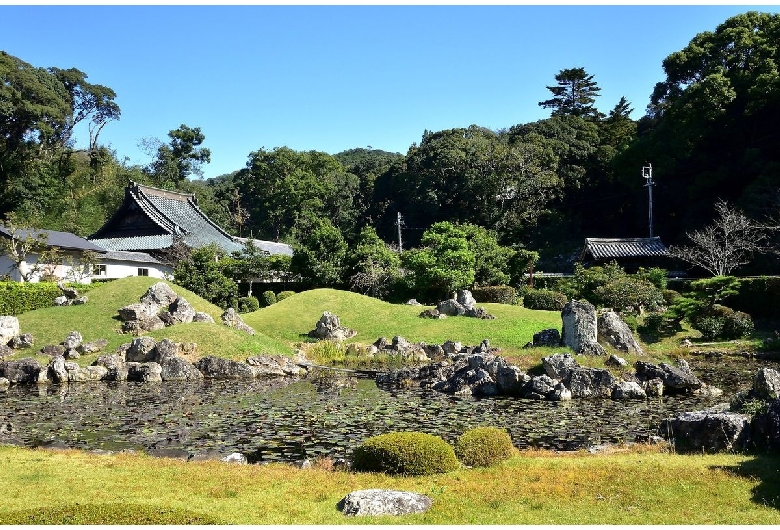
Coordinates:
[647,174]
[399,223]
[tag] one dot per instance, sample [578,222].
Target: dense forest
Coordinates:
[710,132]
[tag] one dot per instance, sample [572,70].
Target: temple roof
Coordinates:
[626,247]
[152,219]
[61,240]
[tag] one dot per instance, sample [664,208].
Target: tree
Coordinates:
[180,158]
[20,245]
[319,253]
[491,260]
[204,274]
[373,265]
[574,95]
[728,243]
[444,264]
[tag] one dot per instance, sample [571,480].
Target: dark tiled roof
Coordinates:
[62,240]
[268,246]
[152,219]
[124,255]
[627,247]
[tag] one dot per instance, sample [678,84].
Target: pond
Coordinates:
[282,421]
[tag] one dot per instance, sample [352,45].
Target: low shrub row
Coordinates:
[17,298]
[248,304]
[543,299]
[495,294]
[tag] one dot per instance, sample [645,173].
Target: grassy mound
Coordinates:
[98,319]
[105,514]
[291,319]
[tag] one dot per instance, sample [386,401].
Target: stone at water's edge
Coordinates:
[766,384]
[384,502]
[707,431]
[329,328]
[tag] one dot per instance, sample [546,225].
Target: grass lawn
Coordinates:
[643,485]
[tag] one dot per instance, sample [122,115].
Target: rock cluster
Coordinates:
[483,373]
[329,328]
[584,331]
[232,319]
[159,307]
[719,429]
[462,304]
[69,296]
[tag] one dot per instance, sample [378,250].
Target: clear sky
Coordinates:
[331,78]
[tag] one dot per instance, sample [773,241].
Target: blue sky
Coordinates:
[331,78]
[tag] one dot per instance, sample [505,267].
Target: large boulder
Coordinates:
[138,311]
[144,372]
[707,431]
[232,319]
[766,428]
[5,351]
[160,295]
[77,374]
[628,390]
[115,365]
[559,365]
[23,341]
[766,384]
[73,340]
[164,350]
[218,368]
[675,379]
[384,502]
[180,312]
[580,328]
[93,346]
[329,328]
[450,307]
[9,328]
[21,371]
[615,332]
[58,373]
[466,299]
[200,316]
[549,338]
[142,350]
[179,369]
[590,382]
[274,366]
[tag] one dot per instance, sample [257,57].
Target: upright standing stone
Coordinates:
[580,328]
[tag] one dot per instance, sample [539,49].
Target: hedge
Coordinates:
[544,300]
[17,298]
[497,294]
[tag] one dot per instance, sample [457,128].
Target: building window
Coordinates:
[143,272]
[99,270]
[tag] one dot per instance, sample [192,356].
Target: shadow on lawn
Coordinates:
[765,469]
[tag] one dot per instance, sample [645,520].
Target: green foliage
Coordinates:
[611,286]
[181,158]
[499,294]
[373,267]
[484,446]
[247,304]
[405,453]
[491,266]
[744,404]
[17,298]
[284,294]
[720,322]
[319,253]
[544,299]
[327,352]
[574,94]
[758,297]
[445,263]
[269,298]
[204,273]
[629,295]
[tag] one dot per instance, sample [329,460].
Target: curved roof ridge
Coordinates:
[154,213]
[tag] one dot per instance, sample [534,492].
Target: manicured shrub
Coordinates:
[669,296]
[738,325]
[544,299]
[653,323]
[496,294]
[405,453]
[284,294]
[17,298]
[483,446]
[247,304]
[629,294]
[269,298]
[721,322]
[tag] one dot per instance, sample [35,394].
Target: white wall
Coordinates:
[61,271]
[122,269]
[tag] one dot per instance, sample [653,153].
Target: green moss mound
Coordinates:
[484,447]
[405,453]
[105,514]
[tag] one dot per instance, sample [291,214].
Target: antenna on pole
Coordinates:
[399,223]
[647,174]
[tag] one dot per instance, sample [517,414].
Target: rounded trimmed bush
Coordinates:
[405,453]
[248,304]
[269,298]
[484,446]
[284,294]
[544,300]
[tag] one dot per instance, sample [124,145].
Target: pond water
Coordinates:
[281,421]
